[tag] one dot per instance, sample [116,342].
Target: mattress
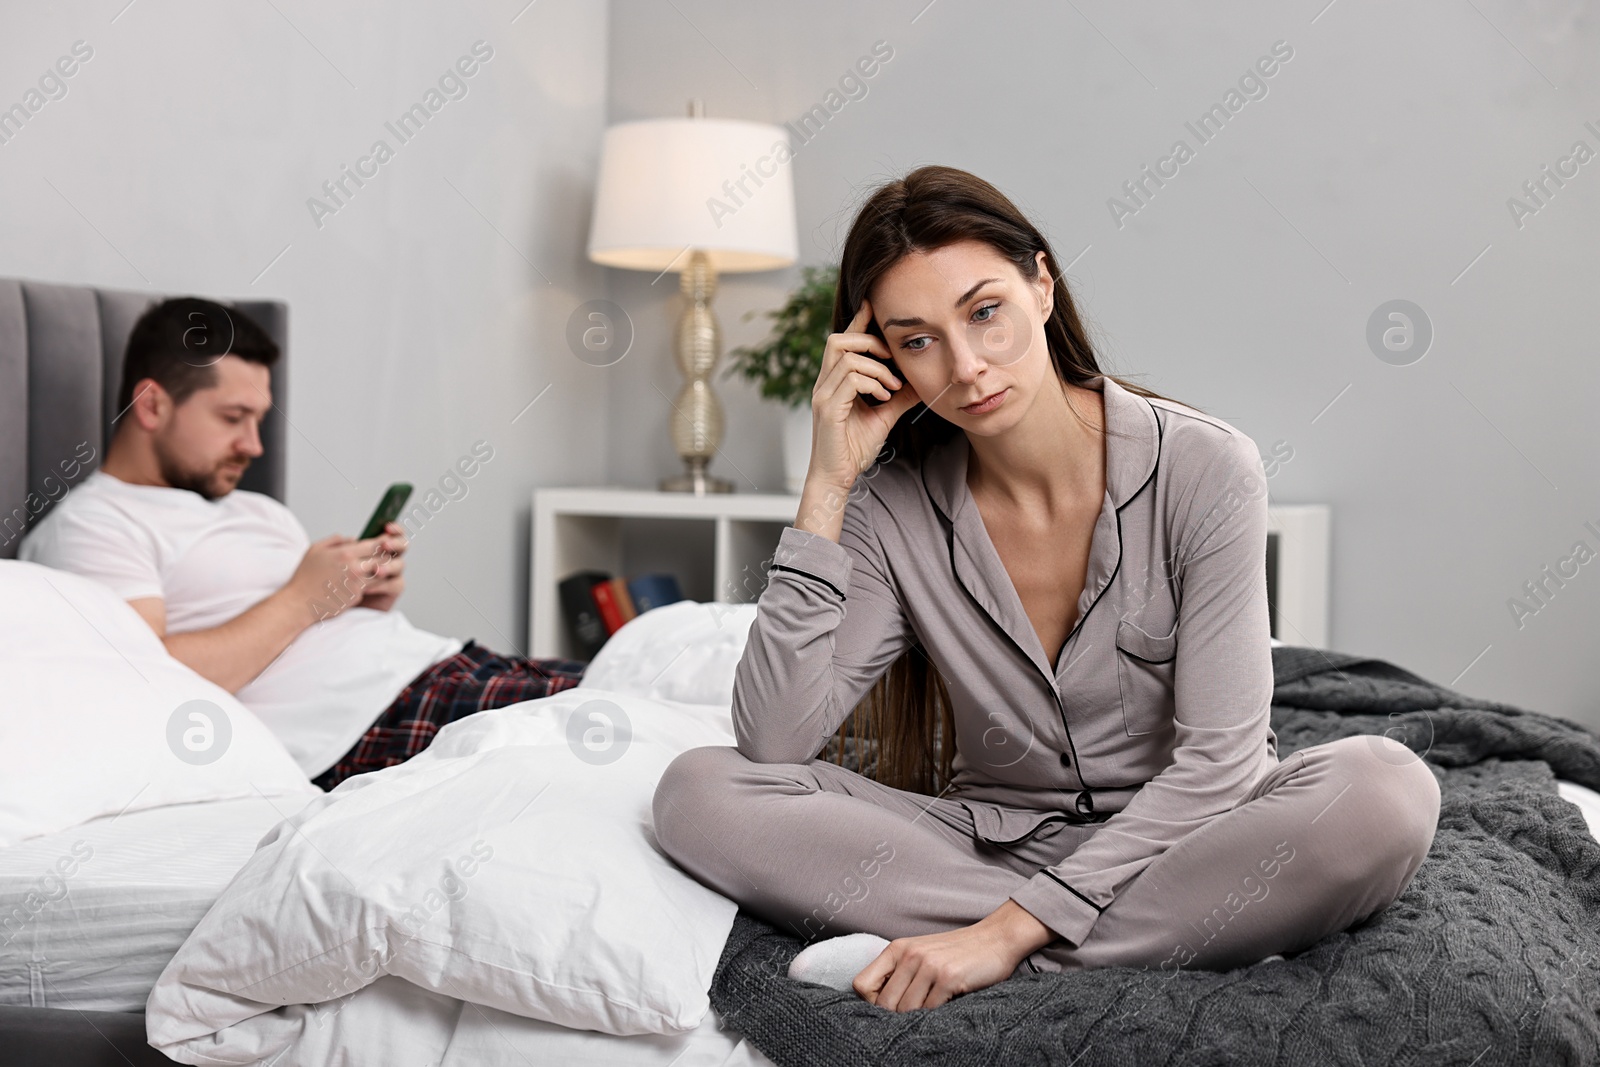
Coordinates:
[90,916]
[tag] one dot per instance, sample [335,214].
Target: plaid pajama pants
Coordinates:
[474,679]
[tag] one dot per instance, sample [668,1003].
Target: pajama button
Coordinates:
[1066,760]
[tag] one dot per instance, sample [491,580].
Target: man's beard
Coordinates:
[209,484]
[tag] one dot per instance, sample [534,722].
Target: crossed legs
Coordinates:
[819,851]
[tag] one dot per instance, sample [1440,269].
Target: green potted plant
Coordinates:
[785,365]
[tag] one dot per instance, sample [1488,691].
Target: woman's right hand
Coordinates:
[847,433]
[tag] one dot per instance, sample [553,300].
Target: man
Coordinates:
[307,635]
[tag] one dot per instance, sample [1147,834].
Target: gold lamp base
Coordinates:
[697,414]
[695,480]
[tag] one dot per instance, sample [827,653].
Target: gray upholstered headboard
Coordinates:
[61,352]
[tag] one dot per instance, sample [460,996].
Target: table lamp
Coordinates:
[697,196]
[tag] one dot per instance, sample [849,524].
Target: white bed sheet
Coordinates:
[392,1021]
[96,938]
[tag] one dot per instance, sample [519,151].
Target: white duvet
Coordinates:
[510,865]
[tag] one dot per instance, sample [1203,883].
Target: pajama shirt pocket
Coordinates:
[1145,666]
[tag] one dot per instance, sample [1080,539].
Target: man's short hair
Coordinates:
[179,341]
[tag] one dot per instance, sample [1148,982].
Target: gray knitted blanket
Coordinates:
[1490,957]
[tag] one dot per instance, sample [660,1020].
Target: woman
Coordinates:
[1068,571]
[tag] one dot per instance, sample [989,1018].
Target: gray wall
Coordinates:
[1378,166]
[424,314]
[430,310]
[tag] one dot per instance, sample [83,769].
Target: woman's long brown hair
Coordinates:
[902,732]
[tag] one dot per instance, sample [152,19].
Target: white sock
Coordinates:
[836,961]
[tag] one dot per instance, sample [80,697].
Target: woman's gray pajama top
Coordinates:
[1153,716]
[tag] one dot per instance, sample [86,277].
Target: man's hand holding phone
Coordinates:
[388,581]
[847,432]
[335,573]
[338,572]
[386,584]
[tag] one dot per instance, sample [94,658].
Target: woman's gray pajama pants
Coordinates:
[821,851]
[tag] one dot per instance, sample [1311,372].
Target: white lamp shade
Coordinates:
[721,186]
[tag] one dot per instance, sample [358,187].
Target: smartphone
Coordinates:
[394,498]
[874,330]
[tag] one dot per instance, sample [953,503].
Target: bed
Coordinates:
[128,877]
[60,363]
[98,909]
[1490,956]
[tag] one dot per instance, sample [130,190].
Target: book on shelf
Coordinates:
[653,590]
[625,604]
[605,599]
[597,604]
[583,616]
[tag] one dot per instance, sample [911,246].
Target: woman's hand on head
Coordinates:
[847,433]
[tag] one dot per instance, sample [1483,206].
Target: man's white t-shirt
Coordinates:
[211,560]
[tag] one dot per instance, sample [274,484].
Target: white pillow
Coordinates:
[96,718]
[685,651]
[511,864]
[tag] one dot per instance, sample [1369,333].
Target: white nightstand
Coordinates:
[717,546]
